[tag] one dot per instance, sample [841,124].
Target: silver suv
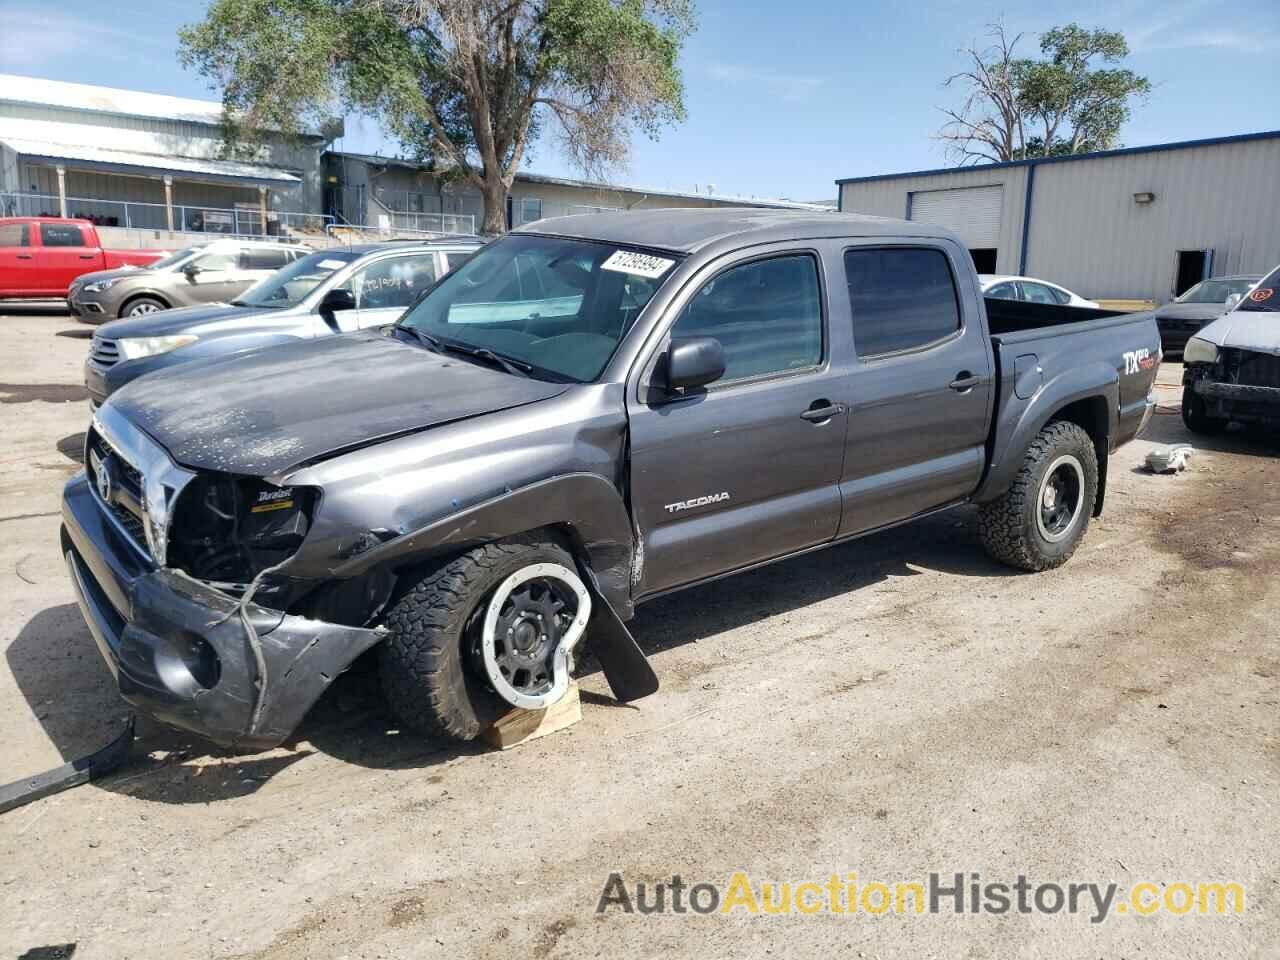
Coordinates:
[207,273]
[333,291]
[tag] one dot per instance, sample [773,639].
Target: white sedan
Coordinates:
[1030,290]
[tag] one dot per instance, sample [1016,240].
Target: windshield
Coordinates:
[1215,291]
[290,285]
[1265,297]
[173,259]
[561,306]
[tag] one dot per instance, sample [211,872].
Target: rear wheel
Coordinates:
[1196,418]
[142,306]
[1039,521]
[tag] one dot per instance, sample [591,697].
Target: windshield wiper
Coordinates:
[509,364]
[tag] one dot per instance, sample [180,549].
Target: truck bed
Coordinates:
[1012,316]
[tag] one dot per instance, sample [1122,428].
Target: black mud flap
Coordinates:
[625,666]
[95,765]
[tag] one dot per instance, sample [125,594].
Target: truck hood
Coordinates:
[1245,330]
[1191,311]
[263,412]
[182,320]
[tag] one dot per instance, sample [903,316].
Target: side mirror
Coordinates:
[190,270]
[338,299]
[694,362]
[1233,300]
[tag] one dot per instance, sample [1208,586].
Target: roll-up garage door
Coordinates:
[972,213]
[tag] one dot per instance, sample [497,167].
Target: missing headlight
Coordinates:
[229,529]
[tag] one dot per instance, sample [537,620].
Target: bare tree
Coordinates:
[1016,107]
[989,123]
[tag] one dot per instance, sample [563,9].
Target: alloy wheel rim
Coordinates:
[1060,499]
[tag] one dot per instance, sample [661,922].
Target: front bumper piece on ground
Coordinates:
[184,652]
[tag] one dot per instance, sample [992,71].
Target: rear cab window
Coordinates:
[902,298]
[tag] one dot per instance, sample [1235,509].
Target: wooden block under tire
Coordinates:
[520,726]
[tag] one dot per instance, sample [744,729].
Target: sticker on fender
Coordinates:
[637,264]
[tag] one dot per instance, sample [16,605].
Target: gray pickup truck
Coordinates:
[591,412]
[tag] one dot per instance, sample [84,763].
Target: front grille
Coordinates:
[1257,369]
[104,352]
[126,504]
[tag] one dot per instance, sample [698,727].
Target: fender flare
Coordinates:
[1089,382]
[585,505]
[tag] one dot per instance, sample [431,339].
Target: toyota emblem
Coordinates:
[102,477]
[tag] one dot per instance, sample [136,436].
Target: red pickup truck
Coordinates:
[40,256]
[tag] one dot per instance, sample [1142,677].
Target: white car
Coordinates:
[1031,290]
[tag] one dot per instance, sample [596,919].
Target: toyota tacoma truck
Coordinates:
[590,412]
[40,256]
[1231,368]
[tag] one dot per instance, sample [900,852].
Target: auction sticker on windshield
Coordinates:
[331,264]
[637,264]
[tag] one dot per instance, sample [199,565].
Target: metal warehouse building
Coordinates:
[1140,223]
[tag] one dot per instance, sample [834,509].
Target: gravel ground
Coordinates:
[892,707]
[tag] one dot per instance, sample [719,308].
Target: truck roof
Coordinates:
[688,230]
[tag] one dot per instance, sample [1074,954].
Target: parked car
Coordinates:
[590,412]
[333,291]
[205,273]
[1031,290]
[1231,367]
[1182,319]
[41,256]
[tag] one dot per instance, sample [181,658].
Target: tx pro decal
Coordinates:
[1136,360]
[698,502]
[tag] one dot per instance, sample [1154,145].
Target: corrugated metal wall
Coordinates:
[1088,234]
[162,137]
[1087,231]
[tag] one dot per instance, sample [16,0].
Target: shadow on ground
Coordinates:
[72,694]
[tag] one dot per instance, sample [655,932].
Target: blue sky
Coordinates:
[783,98]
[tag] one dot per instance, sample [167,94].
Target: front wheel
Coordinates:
[1196,417]
[1040,520]
[490,629]
[143,306]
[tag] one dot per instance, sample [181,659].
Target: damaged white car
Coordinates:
[1232,366]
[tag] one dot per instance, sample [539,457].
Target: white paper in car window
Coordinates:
[331,264]
[637,264]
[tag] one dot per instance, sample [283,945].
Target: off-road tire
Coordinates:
[1195,418]
[427,677]
[130,309]
[1008,525]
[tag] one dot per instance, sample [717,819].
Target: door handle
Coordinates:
[24,256]
[964,381]
[87,256]
[821,410]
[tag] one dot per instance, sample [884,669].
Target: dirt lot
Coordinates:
[892,707]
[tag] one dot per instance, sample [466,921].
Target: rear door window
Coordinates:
[61,235]
[903,298]
[1003,291]
[15,235]
[260,259]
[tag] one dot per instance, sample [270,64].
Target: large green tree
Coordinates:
[1073,99]
[465,85]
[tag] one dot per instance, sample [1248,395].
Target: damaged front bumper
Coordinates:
[192,656]
[1239,401]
